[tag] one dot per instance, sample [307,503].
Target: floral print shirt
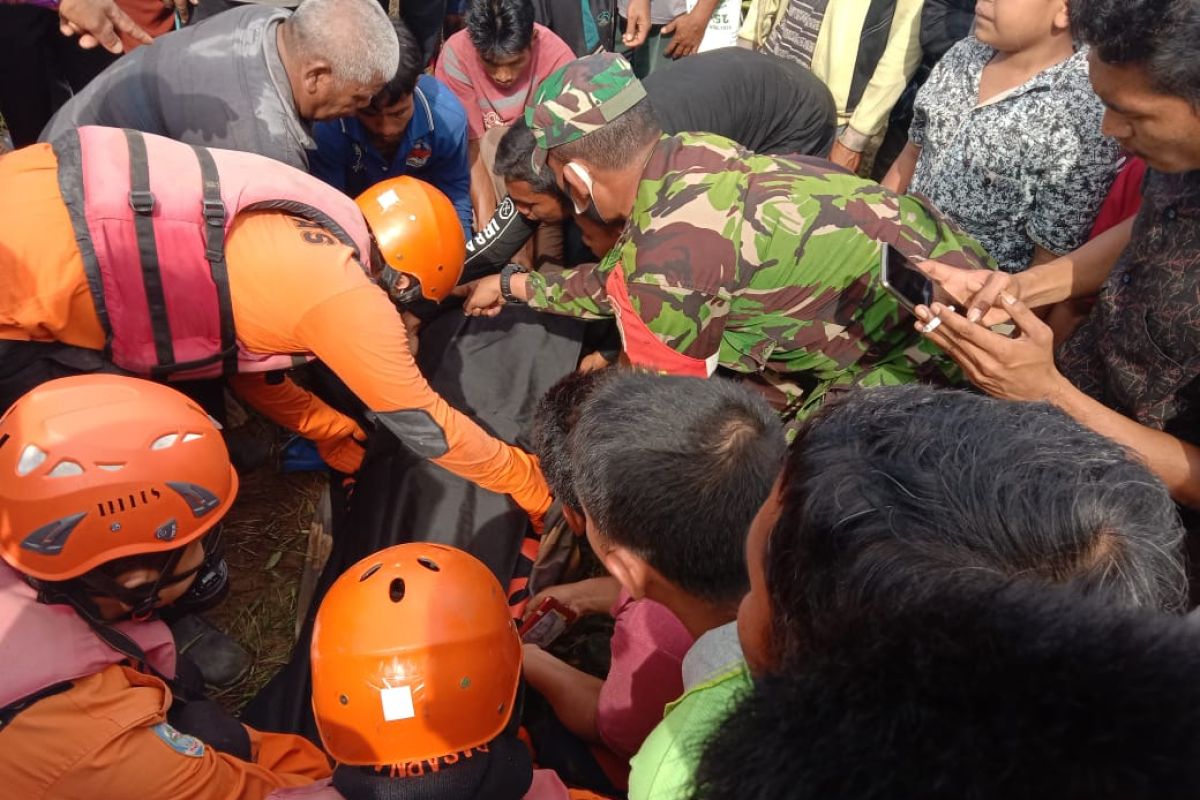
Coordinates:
[1026,167]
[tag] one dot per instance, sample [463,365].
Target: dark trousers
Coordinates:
[39,69]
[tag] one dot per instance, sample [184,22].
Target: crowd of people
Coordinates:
[835,359]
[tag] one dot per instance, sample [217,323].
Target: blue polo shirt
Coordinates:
[434,149]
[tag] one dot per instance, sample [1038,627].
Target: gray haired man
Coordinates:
[250,79]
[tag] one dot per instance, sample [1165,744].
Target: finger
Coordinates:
[1026,321]
[668,29]
[967,334]
[88,42]
[962,352]
[127,26]
[986,297]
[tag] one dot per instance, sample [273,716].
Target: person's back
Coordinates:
[809,235]
[216,84]
[765,103]
[251,79]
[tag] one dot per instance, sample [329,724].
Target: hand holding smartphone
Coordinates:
[903,280]
[546,623]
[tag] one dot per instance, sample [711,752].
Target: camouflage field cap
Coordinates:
[579,98]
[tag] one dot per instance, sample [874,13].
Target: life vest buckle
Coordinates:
[214,213]
[141,201]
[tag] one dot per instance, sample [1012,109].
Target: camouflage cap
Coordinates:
[581,97]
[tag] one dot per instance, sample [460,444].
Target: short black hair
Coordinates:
[514,155]
[984,693]
[1161,35]
[895,486]
[609,146]
[408,70]
[674,469]
[553,420]
[499,28]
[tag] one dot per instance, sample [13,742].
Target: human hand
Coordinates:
[591,596]
[1018,368]
[344,451]
[844,156]
[412,324]
[637,23]
[484,298]
[181,7]
[98,22]
[592,362]
[686,32]
[976,290]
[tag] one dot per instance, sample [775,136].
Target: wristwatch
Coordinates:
[505,282]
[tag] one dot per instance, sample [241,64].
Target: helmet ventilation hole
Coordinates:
[31,458]
[163,442]
[65,469]
[370,571]
[4,440]
[429,564]
[396,590]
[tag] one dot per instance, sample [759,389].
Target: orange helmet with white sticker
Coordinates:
[418,233]
[414,656]
[99,467]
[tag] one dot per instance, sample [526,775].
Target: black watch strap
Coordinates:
[506,282]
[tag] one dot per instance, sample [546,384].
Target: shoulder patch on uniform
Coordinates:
[181,743]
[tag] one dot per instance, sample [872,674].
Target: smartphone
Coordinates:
[904,281]
[546,623]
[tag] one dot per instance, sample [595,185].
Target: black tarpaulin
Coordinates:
[495,370]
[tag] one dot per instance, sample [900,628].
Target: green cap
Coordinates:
[581,97]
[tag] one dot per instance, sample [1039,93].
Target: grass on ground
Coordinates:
[266,534]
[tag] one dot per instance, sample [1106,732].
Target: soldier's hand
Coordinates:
[685,31]
[484,299]
[975,290]
[98,22]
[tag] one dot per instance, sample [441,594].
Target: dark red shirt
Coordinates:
[1139,350]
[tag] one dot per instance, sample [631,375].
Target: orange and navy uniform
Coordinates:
[107,736]
[294,289]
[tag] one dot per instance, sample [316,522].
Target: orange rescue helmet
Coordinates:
[414,656]
[418,233]
[99,467]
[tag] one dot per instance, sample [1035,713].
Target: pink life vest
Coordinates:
[43,645]
[151,215]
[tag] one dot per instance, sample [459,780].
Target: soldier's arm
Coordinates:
[575,292]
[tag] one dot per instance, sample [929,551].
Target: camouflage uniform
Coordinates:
[760,265]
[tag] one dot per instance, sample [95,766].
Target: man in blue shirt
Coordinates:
[414,126]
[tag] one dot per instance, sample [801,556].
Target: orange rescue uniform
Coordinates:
[294,289]
[106,737]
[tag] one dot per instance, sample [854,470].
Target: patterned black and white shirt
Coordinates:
[1028,167]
